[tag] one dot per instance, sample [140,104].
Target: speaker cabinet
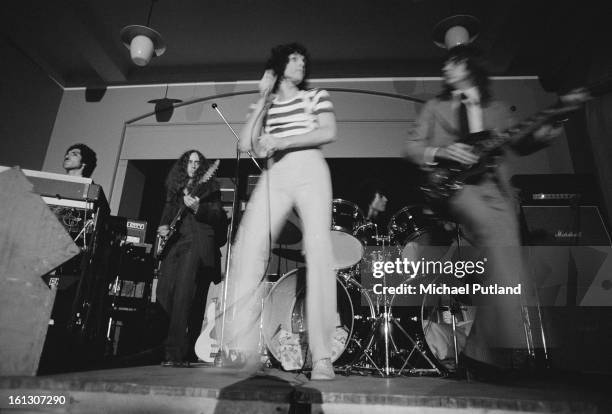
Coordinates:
[557,225]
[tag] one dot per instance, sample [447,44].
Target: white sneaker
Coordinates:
[322,370]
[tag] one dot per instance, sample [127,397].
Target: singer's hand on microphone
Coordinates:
[267,83]
[269,144]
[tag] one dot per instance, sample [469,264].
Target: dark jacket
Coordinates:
[207,228]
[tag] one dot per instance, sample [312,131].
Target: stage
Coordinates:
[206,389]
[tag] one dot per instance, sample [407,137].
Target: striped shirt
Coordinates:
[299,114]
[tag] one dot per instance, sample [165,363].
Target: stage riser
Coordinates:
[206,389]
[120,403]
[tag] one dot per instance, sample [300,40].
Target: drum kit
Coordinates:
[374,334]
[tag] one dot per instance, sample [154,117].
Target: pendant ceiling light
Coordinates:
[142,41]
[456,30]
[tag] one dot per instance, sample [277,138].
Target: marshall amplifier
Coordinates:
[556,189]
[556,225]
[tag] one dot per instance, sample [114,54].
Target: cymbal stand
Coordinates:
[453,309]
[385,323]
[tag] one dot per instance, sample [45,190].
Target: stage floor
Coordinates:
[206,389]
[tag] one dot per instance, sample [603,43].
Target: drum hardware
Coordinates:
[409,229]
[383,325]
[373,358]
[450,312]
[442,234]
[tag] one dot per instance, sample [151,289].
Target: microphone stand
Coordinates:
[219,360]
[216,108]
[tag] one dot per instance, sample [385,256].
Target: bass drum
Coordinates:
[285,326]
[428,320]
[346,218]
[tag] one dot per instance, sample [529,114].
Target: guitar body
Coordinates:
[207,347]
[445,179]
[165,241]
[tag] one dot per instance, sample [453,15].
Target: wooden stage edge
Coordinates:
[205,389]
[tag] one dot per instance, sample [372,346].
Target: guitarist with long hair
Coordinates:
[194,226]
[484,206]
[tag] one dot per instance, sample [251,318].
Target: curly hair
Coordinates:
[474,65]
[279,57]
[88,157]
[178,179]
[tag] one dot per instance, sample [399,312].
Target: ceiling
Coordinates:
[77,41]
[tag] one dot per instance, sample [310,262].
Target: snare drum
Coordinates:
[346,218]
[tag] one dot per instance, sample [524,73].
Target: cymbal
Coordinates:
[290,234]
[291,254]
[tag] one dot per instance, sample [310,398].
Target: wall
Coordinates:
[29,101]
[369,125]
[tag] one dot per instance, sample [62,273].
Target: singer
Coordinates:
[288,124]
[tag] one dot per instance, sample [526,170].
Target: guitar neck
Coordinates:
[567,104]
[521,130]
[178,216]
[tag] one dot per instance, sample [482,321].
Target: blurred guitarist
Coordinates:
[191,256]
[485,208]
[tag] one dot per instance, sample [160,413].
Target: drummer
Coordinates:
[373,202]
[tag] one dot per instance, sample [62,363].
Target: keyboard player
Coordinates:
[80,160]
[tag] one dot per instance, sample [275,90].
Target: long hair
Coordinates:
[475,66]
[88,157]
[178,179]
[279,57]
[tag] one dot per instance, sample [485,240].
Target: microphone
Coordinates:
[271,77]
[214,105]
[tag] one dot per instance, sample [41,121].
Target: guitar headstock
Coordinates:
[210,172]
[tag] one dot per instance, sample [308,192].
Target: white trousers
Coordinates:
[300,179]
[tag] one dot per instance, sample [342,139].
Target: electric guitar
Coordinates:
[207,347]
[447,177]
[174,224]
